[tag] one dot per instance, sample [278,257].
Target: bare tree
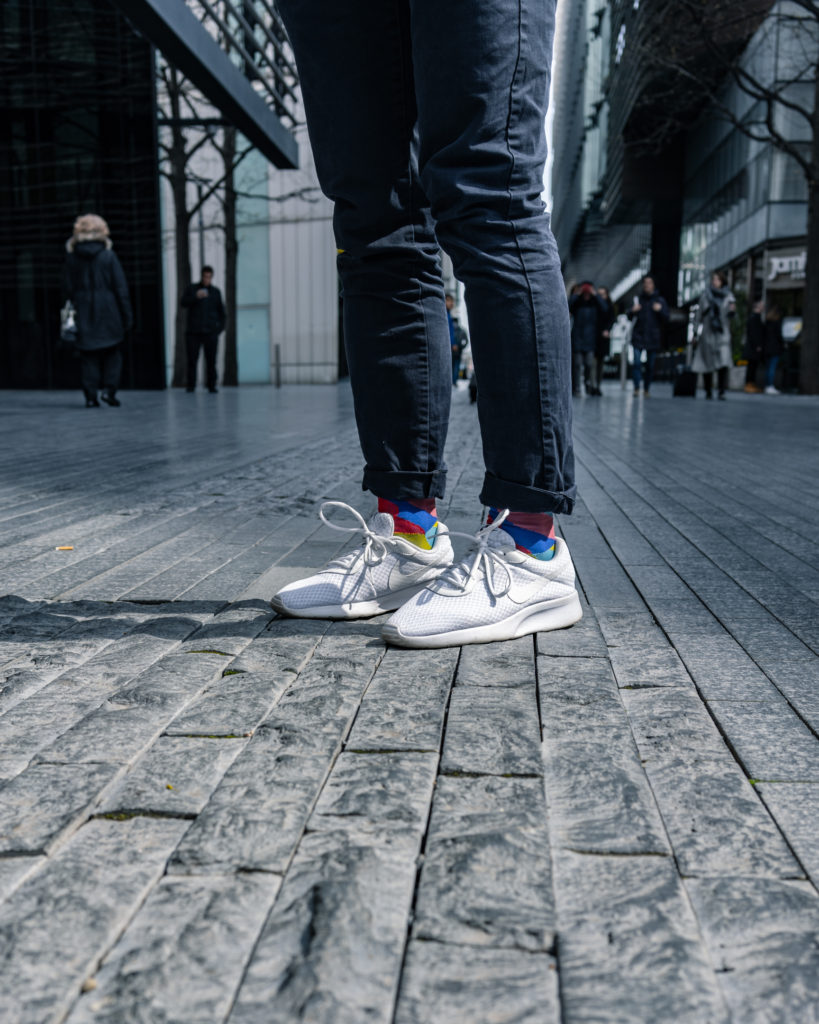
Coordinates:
[190,127]
[783,107]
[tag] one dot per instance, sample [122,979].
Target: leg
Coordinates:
[577,372]
[591,366]
[482,94]
[637,370]
[90,373]
[111,368]
[651,358]
[192,343]
[708,384]
[722,380]
[211,344]
[356,75]
[770,371]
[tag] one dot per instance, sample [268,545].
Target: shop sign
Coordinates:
[786,269]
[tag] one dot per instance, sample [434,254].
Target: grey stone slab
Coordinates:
[492,731]
[635,667]
[486,878]
[598,795]
[252,682]
[721,668]
[47,800]
[769,739]
[370,796]
[232,706]
[109,734]
[583,640]
[716,822]
[335,938]
[181,959]
[15,870]
[762,936]
[465,985]
[405,703]
[795,808]
[54,929]
[176,776]
[630,948]
[500,664]
[256,815]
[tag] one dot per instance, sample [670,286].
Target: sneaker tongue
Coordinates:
[382,524]
[501,541]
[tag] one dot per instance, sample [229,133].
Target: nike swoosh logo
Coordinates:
[522,593]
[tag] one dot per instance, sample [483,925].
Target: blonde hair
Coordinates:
[90,227]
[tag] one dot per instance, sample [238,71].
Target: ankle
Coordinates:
[415,519]
[532,532]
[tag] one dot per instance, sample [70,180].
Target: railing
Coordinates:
[253,36]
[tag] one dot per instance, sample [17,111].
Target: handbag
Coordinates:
[68,327]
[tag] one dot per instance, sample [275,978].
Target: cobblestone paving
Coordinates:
[208,813]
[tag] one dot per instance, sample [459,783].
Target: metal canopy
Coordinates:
[173,29]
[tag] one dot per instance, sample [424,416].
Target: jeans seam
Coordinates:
[405,64]
[512,165]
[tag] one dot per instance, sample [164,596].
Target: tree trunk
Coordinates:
[230,376]
[179,187]
[809,361]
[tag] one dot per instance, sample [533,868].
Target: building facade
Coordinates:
[700,197]
[78,135]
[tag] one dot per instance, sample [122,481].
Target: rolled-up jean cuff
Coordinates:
[521,498]
[399,484]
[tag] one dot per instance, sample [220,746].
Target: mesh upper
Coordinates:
[439,609]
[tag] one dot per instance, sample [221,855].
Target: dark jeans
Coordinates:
[638,375]
[423,136]
[585,369]
[100,368]
[722,381]
[210,342]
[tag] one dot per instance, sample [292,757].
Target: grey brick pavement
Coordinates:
[209,814]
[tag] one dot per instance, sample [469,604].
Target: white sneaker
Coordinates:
[495,593]
[771,390]
[378,576]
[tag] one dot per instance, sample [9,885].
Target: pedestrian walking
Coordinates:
[603,347]
[649,311]
[588,314]
[774,347]
[96,287]
[754,347]
[712,330]
[457,164]
[206,321]
[457,338]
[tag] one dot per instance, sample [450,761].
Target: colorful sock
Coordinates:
[416,521]
[532,532]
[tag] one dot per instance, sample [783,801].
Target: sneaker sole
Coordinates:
[358,610]
[540,618]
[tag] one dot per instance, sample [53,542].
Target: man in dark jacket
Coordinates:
[588,312]
[96,286]
[650,313]
[206,321]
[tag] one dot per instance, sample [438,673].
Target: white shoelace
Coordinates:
[373,549]
[480,558]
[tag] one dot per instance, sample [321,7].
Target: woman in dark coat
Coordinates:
[96,286]
[603,347]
